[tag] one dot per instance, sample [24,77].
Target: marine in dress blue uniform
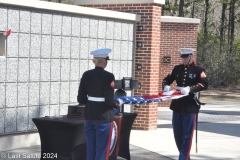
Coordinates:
[96,90]
[190,79]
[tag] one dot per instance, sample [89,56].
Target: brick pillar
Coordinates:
[148,56]
[175,35]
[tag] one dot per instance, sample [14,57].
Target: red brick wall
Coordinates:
[174,36]
[148,56]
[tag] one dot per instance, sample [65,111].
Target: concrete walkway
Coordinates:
[218,133]
[218,137]
[33,153]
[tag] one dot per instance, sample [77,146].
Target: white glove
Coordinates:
[166,88]
[185,90]
[179,88]
[120,102]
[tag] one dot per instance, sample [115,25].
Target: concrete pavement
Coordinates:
[218,133]
[33,153]
[218,136]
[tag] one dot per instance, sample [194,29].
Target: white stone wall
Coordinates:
[47,54]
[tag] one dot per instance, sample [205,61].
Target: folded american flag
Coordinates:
[162,96]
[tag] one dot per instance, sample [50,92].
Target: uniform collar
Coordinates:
[190,65]
[99,67]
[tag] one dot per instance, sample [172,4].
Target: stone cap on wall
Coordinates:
[94,2]
[179,19]
[60,7]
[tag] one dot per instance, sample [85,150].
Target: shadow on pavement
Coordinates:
[33,153]
[230,129]
[214,112]
[138,153]
[212,121]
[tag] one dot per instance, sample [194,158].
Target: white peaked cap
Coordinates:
[185,52]
[101,53]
